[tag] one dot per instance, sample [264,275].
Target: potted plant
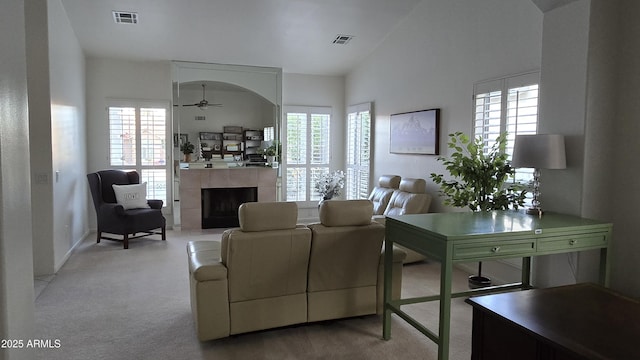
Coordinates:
[330,184]
[479,181]
[271,152]
[187,149]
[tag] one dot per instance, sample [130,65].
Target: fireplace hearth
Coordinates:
[220,205]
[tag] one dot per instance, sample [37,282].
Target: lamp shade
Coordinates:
[540,151]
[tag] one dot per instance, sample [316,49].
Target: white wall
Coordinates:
[68,135]
[119,79]
[623,185]
[432,60]
[57,133]
[601,110]
[16,261]
[39,91]
[591,73]
[316,90]
[563,84]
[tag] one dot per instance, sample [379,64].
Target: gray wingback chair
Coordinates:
[113,218]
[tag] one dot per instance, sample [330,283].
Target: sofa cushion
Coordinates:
[416,186]
[402,203]
[346,212]
[389,181]
[263,216]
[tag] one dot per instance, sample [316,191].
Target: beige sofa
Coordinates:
[381,193]
[410,198]
[271,272]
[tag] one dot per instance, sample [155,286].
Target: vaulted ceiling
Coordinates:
[296,35]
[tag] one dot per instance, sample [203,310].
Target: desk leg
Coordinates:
[388,286]
[605,262]
[526,272]
[446,270]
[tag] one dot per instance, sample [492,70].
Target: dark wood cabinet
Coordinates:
[210,144]
[252,142]
[583,321]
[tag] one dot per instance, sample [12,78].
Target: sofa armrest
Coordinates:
[204,268]
[209,290]
[155,204]
[111,209]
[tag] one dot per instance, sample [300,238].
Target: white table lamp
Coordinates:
[540,151]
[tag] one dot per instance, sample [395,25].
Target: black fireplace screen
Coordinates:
[220,205]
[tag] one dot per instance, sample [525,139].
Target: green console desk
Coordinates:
[476,236]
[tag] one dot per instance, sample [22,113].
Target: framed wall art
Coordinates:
[415,132]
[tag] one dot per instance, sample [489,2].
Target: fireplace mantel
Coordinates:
[192,181]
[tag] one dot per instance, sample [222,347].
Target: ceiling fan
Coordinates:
[203,104]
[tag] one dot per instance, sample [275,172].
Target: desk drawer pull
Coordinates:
[495,249]
[573,242]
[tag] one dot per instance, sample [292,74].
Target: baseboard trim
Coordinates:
[66,256]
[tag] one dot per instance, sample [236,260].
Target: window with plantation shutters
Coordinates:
[507,104]
[306,151]
[138,141]
[122,136]
[358,151]
[269,133]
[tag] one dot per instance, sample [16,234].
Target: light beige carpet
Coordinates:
[110,303]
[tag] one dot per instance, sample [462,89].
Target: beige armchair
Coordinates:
[410,198]
[381,194]
[344,266]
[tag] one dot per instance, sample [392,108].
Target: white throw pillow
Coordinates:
[131,196]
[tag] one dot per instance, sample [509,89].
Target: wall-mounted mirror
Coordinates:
[213,98]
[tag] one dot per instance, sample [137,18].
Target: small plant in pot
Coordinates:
[272,151]
[479,181]
[187,149]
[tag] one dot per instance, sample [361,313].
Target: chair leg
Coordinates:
[126,241]
[99,236]
[164,233]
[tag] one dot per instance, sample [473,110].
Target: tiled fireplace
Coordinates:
[193,181]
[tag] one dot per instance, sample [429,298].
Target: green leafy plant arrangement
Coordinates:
[187,148]
[273,149]
[479,179]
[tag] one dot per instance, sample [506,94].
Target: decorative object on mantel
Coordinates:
[479,181]
[329,185]
[541,151]
[271,152]
[187,149]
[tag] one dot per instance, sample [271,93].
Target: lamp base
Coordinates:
[534,211]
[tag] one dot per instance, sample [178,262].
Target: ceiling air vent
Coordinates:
[342,39]
[201,118]
[125,17]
